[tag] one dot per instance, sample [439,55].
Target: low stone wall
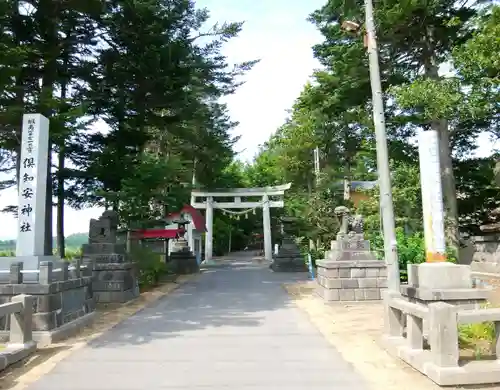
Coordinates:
[63,300]
[486,257]
[351,280]
[114,282]
[183,263]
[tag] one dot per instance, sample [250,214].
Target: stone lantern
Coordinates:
[288,258]
[183,261]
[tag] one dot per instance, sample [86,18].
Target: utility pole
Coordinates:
[384,177]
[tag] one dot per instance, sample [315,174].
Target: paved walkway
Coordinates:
[234,328]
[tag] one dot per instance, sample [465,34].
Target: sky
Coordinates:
[277,33]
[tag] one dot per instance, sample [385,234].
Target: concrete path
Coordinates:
[234,328]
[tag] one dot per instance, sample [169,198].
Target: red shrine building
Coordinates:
[193,232]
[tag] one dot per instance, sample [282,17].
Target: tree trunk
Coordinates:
[61,194]
[47,18]
[452,232]
[61,244]
[21,82]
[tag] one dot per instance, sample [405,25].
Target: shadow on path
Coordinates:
[225,296]
[232,328]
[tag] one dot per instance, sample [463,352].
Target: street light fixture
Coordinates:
[384,178]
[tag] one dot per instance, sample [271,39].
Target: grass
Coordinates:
[476,340]
[71,253]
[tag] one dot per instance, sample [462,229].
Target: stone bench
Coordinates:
[20,344]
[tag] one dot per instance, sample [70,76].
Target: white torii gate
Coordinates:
[210,203]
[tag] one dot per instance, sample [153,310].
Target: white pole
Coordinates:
[266,222]
[316,164]
[384,177]
[432,197]
[190,233]
[209,220]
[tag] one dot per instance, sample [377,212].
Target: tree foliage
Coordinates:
[132,91]
[417,40]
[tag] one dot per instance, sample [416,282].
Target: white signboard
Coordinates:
[32,185]
[432,198]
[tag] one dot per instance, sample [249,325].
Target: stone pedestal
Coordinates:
[350,271]
[182,260]
[443,282]
[288,258]
[114,274]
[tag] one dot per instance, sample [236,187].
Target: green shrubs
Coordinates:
[72,253]
[151,266]
[411,249]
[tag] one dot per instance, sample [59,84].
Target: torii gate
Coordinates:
[210,203]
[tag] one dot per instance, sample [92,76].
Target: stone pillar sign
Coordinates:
[32,185]
[432,198]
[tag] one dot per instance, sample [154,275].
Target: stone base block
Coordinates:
[445,282]
[473,373]
[116,296]
[115,282]
[102,249]
[70,329]
[56,335]
[439,276]
[15,352]
[289,263]
[184,263]
[349,294]
[351,280]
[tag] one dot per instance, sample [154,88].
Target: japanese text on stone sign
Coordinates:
[27,176]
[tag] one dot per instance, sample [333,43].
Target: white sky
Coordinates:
[277,33]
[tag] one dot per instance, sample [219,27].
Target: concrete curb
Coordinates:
[14,352]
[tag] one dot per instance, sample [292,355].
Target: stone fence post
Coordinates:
[21,322]
[64,271]
[45,275]
[78,265]
[443,334]
[15,275]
